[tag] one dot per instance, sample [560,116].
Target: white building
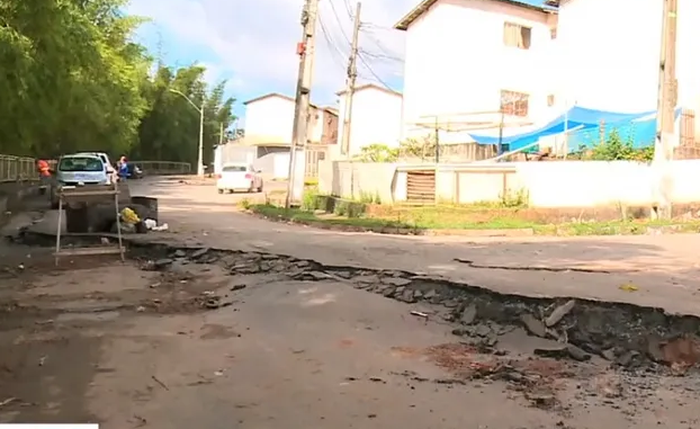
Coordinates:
[376,119]
[269,120]
[269,125]
[464,58]
[608,53]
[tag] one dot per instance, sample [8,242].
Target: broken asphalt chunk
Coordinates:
[534,326]
[395,281]
[199,253]
[468,315]
[559,313]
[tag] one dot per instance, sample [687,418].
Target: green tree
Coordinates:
[71,76]
[615,148]
[170,128]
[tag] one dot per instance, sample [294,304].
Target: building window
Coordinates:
[514,103]
[553,33]
[516,36]
[550,100]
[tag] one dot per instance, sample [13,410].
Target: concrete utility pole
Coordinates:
[666,118]
[200,149]
[350,84]
[306,51]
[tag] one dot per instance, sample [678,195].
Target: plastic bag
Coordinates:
[129,216]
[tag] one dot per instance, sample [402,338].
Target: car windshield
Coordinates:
[234,168]
[81,164]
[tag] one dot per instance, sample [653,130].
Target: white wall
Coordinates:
[270,120]
[574,184]
[608,53]
[456,61]
[376,118]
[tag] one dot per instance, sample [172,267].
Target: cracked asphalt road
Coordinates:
[87,346]
[665,268]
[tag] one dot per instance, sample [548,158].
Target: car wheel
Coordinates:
[231,191]
[260,189]
[220,191]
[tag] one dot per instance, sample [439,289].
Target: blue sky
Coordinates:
[252,43]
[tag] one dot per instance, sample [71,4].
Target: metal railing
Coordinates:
[22,168]
[17,168]
[164,168]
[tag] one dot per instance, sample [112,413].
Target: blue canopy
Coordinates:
[578,118]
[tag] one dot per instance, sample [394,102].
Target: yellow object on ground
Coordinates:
[129,216]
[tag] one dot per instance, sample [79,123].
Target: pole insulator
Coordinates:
[301,48]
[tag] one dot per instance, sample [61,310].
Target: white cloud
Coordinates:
[255,41]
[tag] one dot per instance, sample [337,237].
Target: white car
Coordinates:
[111,172]
[77,170]
[239,177]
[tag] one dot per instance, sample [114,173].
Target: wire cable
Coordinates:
[373,73]
[332,46]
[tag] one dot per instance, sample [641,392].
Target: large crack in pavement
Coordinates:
[575,337]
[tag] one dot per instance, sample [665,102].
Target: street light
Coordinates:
[200,153]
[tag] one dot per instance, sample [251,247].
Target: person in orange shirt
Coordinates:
[44,175]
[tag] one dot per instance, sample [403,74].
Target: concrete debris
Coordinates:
[683,352]
[567,351]
[533,325]
[468,315]
[617,333]
[559,313]
[396,281]
[199,253]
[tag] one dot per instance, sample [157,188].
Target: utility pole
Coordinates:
[666,109]
[306,52]
[350,84]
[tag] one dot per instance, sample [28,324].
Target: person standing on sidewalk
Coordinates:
[44,175]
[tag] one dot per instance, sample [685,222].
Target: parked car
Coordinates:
[239,177]
[105,159]
[78,170]
[134,171]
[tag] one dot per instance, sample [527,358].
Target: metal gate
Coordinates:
[420,186]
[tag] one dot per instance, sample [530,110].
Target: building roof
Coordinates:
[373,86]
[271,95]
[425,5]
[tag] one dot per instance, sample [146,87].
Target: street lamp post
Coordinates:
[200,151]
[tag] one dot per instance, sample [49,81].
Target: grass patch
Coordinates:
[417,219]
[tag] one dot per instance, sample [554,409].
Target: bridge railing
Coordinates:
[164,168]
[22,168]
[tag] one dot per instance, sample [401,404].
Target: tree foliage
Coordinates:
[73,79]
[615,148]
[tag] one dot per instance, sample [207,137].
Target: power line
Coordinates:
[381,56]
[340,23]
[331,44]
[373,73]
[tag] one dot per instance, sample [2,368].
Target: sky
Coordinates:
[252,44]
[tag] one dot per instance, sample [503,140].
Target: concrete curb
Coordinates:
[12,200]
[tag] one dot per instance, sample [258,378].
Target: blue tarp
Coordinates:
[584,124]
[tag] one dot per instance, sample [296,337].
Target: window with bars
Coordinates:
[515,103]
[516,35]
